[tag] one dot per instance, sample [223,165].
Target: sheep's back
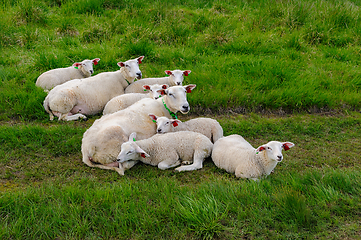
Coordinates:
[231,151]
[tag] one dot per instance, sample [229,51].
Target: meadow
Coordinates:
[267,70]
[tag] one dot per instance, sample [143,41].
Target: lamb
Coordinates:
[80,97]
[168,150]
[123,101]
[102,141]
[206,126]
[175,78]
[54,77]
[234,154]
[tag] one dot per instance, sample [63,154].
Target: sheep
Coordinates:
[175,79]
[102,141]
[54,77]
[80,97]
[207,126]
[123,101]
[168,150]
[235,155]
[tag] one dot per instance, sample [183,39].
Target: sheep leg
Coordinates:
[165,164]
[70,117]
[197,162]
[112,166]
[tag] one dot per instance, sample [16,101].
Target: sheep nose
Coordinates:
[185,107]
[159,130]
[178,83]
[139,75]
[279,158]
[91,71]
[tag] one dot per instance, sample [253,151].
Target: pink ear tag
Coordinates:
[95,62]
[143,155]
[189,90]
[175,124]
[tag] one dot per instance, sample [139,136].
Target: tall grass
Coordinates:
[290,55]
[288,206]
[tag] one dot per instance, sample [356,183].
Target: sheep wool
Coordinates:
[123,101]
[235,155]
[54,77]
[168,150]
[102,141]
[175,78]
[206,126]
[80,97]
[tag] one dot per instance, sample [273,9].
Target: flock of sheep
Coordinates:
[139,122]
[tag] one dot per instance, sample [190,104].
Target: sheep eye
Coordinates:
[166,123]
[130,152]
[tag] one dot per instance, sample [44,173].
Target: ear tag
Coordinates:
[160,96]
[143,155]
[154,120]
[286,147]
[134,139]
[257,152]
[145,90]
[189,90]
[164,87]
[139,61]
[175,124]
[95,62]
[76,67]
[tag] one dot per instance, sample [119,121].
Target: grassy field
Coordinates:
[267,70]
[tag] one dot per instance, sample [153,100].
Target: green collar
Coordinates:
[127,81]
[170,112]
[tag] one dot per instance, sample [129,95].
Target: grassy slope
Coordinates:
[244,56]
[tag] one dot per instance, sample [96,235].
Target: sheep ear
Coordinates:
[287,145]
[77,64]
[186,72]
[120,64]
[140,59]
[189,87]
[141,151]
[132,136]
[95,61]
[146,87]
[153,117]
[162,92]
[261,148]
[165,86]
[168,72]
[175,122]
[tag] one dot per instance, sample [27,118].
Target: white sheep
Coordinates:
[168,150]
[54,77]
[80,97]
[175,78]
[235,155]
[125,100]
[206,126]
[102,141]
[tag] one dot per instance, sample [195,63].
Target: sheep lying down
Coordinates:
[168,150]
[235,155]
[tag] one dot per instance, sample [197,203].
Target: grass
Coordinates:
[315,191]
[290,67]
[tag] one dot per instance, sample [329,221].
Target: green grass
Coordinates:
[290,67]
[314,192]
